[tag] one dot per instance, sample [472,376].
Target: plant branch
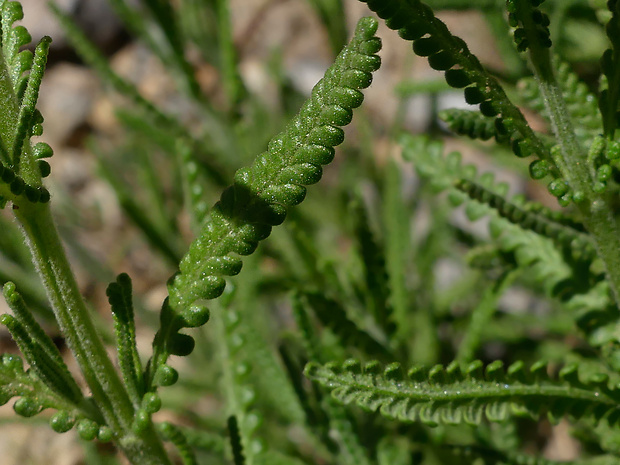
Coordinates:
[572,158]
[81,335]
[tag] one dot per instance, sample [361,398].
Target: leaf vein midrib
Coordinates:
[463,391]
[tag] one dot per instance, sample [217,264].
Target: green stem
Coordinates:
[572,161]
[82,338]
[597,213]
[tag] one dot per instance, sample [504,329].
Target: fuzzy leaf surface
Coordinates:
[466,394]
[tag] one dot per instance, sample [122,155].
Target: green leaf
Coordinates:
[530,32]
[28,107]
[334,427]
[463,394]
[43,356]
[120,298]
[34,393]
[333,315]
[261,193]
[447,172]
[20,172]
[482,314]
[235,442]
[529,219]
[416,22]
[610,65]
[396,215]
[159,237]
[474,124]
[175,435]
[375,285]
[14,38]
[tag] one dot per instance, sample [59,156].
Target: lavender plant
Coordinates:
[379,362]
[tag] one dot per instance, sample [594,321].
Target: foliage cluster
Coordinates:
[340,342]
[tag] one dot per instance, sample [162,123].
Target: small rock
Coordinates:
[94,16]
[27,443]
[138,65]
[65,100]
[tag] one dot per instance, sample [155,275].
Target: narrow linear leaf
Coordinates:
[235,442]
[482,314]
[397,248]
[38,348]
[334,427]
[610,65]
[375,273]
[176,436]
[563,235]
[448,173]
[416,22]
[457,394]
[27,109]
[474,125]
[334,316]
[244,417]
[261,193]
[120,298]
